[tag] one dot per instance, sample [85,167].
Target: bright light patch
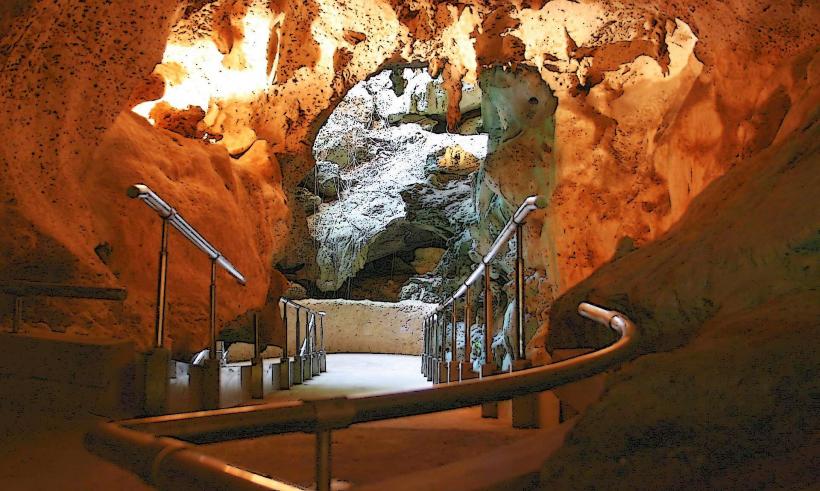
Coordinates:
[210,75]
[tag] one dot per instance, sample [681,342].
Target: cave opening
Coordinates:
[391,188]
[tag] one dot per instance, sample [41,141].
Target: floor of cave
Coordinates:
[40,449]
[354,374]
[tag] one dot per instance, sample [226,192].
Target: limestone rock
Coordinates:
[426,259]
[307,201]
[324,180]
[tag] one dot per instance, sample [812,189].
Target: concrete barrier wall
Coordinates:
[368,327]
[67,372]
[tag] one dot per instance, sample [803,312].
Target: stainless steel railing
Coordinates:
[151,447]
[310,357]
[170,216]
[433,363]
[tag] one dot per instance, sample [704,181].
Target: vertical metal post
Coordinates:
[285,354]
[322,352]
[315,334]
[488,316]
[17,320]
[519,289]
[298,335]
[212,311]
[442,321]
[298,372]
[315,357]
[285,373]
[322,332]
[488,409]
[453,350]
[307,360]
[468,322]
[431,325]
[306,342]
[423,345]
[436,352]
[162,276]
[323,473]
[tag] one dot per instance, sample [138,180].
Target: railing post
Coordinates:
[212,312]
[162,287]
[322,352]
[489,367]
[158,359]
[298,377]
[423,345]
[466,369]
[442,366]
[307,370]
[257,367]
[323,460]
[488,409]
[433,352]
[285,377]
[211,383]
[314,357]
[526,408]
[453,365]
[429,348]
[519,290]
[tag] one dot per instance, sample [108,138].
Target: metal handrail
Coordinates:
[21,289]
[166,212]
[433,363]
[530,204]
[143,446]
[169,215]
[311,349]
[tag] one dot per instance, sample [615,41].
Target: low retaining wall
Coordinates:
[362,326]
[67,372]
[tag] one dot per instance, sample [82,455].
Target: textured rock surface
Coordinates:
[655,101]
[737,392]
[387,204]
[372,327]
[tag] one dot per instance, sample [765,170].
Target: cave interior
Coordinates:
[361,157]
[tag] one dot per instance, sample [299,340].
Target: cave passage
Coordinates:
[390,187]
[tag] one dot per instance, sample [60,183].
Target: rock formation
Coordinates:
[673,140]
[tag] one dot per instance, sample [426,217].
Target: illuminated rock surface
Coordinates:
[656,101]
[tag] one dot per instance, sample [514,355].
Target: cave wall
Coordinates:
[71,147]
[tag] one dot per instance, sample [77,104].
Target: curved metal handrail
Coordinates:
[166,212]
[169,215]
[143,445]
[528,205]
[433,363]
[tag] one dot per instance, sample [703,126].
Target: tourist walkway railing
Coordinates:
[310,357]
[21,289]
[170,216]
[162,450]
[436,340]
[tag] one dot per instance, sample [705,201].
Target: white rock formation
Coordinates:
[376,162]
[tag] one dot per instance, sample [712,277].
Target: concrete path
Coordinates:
[357,374]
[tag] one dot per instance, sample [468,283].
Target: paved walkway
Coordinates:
[43,450]
[372,452]
[350,374]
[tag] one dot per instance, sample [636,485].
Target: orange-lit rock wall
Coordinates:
[71,147]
